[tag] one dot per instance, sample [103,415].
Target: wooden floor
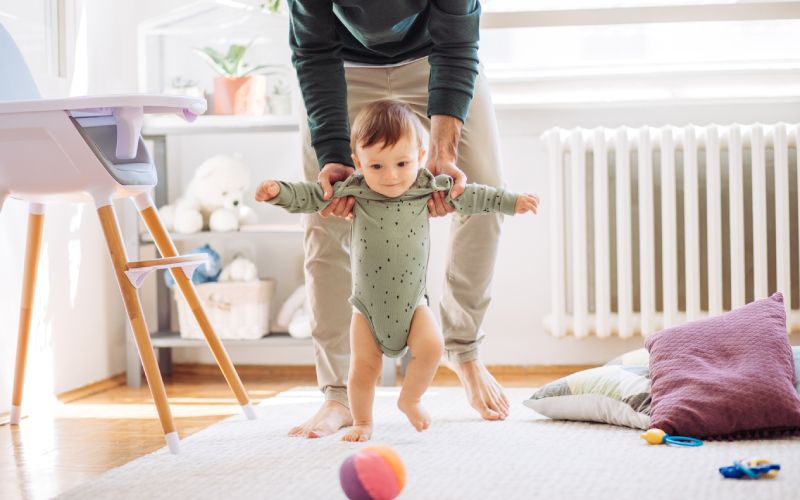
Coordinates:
[109,424]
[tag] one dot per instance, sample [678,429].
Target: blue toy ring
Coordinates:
[682,440]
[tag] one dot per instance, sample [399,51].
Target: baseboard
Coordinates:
[245,370]
[93,388]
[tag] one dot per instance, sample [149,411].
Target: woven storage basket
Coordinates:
[236,310]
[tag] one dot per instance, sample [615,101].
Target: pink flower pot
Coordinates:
[240,95]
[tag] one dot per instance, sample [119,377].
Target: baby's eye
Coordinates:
[402,164]
[375,166]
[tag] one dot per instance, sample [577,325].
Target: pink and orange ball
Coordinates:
[372,473]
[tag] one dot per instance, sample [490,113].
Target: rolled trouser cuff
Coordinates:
[462,356]
[338,394]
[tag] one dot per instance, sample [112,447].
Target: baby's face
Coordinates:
[390,170]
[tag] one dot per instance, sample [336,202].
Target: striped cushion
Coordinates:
[617,393]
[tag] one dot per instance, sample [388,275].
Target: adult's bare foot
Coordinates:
[484,393]
[330,417]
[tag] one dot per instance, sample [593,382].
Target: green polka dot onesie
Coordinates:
[390,243]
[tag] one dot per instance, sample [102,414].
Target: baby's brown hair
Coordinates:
[384,122]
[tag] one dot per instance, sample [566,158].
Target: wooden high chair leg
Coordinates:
[32,250]
[133,307]
[167,249]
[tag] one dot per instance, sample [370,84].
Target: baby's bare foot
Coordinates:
[416,413]
[358,434]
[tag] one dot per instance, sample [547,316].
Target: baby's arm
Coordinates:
[481,199]
[296,197]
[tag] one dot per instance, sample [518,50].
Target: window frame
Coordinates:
[654,84]
[745,11]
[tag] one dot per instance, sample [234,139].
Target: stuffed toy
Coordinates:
[294,315]
[213,198]
[207,272]
[239,269]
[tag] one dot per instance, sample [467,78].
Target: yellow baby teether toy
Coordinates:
[657,436]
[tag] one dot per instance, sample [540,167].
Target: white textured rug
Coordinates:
[460,457]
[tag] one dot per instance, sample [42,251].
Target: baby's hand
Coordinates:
[267,190]
[526,203]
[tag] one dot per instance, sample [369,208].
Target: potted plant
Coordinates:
[279,100]
[238,88]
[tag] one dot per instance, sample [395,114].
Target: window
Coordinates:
[45,32]
[532,40]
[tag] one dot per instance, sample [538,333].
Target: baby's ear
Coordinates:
[421,154]
[356,162]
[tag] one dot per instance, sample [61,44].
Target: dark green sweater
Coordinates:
[324,33]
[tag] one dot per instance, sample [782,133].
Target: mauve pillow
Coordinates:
[728,376]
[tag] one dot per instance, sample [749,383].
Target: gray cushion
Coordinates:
[138,171]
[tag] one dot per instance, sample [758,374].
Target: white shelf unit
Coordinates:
[163,125]
[156,130]
[169,339]
[210,235]
[167,44]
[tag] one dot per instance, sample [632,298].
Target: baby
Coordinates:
[389,246]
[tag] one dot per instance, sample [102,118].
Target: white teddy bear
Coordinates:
[213,199]
[294,316]
[239,269]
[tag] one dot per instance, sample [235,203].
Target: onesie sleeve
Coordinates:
[306,197]
[480,199]
[300,197]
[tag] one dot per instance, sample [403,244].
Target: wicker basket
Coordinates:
[236,310]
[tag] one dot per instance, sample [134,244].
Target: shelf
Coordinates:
[173,339]
[256,229]
[156,125]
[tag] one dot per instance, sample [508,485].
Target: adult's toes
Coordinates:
[486,412]
[503,406]
[501,410]
[489,414]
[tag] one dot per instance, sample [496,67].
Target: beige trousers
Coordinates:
[473,240]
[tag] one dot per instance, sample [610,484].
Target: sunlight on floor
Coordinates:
[143,411]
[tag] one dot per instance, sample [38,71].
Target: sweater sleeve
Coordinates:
[453,26]
[316,56]
[479,199]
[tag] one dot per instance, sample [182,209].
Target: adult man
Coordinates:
[425,53]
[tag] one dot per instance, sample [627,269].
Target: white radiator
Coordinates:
[651,227]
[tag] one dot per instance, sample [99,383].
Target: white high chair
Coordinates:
[90,149]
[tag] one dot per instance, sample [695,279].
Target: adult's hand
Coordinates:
[442,156]
[330,174]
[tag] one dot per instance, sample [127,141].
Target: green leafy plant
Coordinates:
[230,63]
[270,5]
